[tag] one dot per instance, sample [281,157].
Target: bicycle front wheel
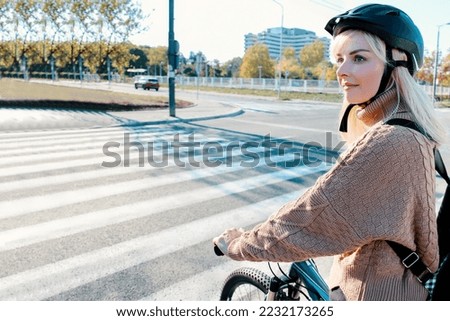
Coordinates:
[245,284]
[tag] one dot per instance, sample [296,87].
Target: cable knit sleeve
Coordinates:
[374,192]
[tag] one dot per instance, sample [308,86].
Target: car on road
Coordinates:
[146,83]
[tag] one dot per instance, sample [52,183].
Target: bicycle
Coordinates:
[250,284]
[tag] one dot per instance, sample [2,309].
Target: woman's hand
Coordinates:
[224,240]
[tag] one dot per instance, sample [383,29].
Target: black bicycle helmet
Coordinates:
[390,24]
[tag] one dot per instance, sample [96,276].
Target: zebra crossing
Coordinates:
[72,228]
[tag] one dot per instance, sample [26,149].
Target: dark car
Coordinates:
[146,83]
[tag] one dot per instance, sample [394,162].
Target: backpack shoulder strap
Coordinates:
[440,167]
[404,123]
[411,259]
[439,163]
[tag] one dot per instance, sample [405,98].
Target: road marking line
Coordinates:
[34,154]
[24,236]
[62,141]
[92,160]
[193,291]
[81,176]
[285,126]
[51,279]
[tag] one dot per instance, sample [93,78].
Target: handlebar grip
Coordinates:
[218,251]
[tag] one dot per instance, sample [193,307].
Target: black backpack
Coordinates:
[437,283]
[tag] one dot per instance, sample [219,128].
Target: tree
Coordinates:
[257,55]
[290,64]
[121,55]
[7,54]
[68,34]
[157,59]
[426,72]
[6,19]
[80,21]
[141,60]
[312,54]
[325,71]
[53,24]
[197,65]
[214,69]
[231,67]
[444,71]
[7,45]
[26,17]
[117,20]
[54,18]
[331,73]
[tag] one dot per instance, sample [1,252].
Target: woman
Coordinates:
[382,188]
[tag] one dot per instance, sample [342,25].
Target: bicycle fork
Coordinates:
[274,292]
[275,284]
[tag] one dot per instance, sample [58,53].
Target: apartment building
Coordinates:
[290,37]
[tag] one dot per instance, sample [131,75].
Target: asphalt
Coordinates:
[23,118]
[201,110]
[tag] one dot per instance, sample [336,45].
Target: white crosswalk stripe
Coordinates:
[57,193]
[93,265]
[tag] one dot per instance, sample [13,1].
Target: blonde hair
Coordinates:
[409,92]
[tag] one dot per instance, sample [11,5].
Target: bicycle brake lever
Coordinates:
[218,251]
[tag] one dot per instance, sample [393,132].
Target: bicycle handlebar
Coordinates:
[218,251]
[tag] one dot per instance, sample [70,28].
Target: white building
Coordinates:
[291,37]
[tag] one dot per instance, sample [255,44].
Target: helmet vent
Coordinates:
[393,13]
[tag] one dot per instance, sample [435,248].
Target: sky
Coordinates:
[217,27]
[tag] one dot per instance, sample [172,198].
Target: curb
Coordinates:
[76,105]
[234,113]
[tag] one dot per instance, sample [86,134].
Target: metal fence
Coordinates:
[298,85]
[293,85]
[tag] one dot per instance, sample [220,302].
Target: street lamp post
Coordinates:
[436,60]
[281,47]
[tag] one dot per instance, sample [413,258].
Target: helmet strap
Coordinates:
[388,67]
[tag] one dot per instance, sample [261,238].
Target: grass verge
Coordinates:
[284,95]
[19,93]
[336,98]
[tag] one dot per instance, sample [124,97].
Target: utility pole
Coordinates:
[173,59]
[436,62]
[281,47]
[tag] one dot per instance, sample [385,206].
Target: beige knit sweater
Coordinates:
[382,188]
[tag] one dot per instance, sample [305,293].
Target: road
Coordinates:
[128,213]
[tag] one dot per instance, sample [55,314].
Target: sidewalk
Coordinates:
[202,110]
[26,119]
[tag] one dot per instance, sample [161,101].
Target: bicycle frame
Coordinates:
[302,275]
